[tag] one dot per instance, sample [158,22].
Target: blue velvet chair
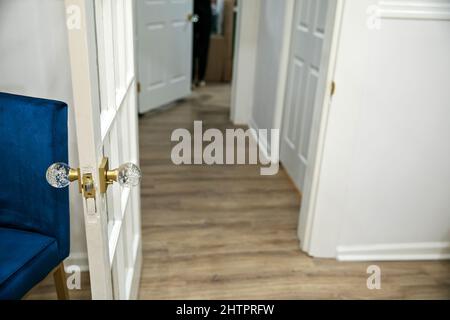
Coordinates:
[34,217]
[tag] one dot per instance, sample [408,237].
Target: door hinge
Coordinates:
[333,88]
[139,87]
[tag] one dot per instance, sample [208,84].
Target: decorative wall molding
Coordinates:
[414,10]
[395,252]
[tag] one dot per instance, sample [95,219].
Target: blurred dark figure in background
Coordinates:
[202,33]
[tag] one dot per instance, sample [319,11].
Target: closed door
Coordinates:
[307,67]
[164,51]
[104,87]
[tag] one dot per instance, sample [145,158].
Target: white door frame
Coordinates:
[243,93]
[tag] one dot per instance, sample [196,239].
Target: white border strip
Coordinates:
[395,252]
[414,10]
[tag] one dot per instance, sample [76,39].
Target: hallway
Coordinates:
[240,239]
[212,232]
[225,232]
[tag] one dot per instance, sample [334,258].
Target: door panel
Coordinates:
[164,41]
[308,36]
[104,84]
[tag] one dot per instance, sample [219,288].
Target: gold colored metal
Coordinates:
[107,177]
[112,176]
[74,175]
[333,88]
[88,186]
[102,173]
[190,16]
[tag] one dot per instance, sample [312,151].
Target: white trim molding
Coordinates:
[263,145]
[395,252]
[415,10]
[77,259]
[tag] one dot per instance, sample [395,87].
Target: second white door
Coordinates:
[307,69]
[164,51]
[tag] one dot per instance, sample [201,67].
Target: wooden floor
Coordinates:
[229,233]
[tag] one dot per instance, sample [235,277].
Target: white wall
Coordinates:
[271,61]
[35,62]
[245,61]
[261,59]
[385,175]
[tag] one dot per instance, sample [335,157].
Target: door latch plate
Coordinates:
[88,186]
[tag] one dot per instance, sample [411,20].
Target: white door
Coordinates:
[104,87]
[311,34]
[164,51]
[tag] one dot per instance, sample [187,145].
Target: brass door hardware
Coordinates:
[127,175]
[88,186]
[333,88]
[107,177]
[60,175]
[74,175]
[194,18]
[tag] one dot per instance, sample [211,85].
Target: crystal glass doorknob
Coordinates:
[129,175]
[60,175]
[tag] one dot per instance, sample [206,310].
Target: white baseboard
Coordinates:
[262,143]
[78,259]
[395,252]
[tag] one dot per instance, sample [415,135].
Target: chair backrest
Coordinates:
[33,135]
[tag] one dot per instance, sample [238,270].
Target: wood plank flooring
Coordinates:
[225,232]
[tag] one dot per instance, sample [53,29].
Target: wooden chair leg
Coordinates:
[59,275]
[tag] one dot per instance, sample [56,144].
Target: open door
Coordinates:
[104,87]
[312,33]
[164,51]
[309,90]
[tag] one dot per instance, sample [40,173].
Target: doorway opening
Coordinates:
[201,220]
